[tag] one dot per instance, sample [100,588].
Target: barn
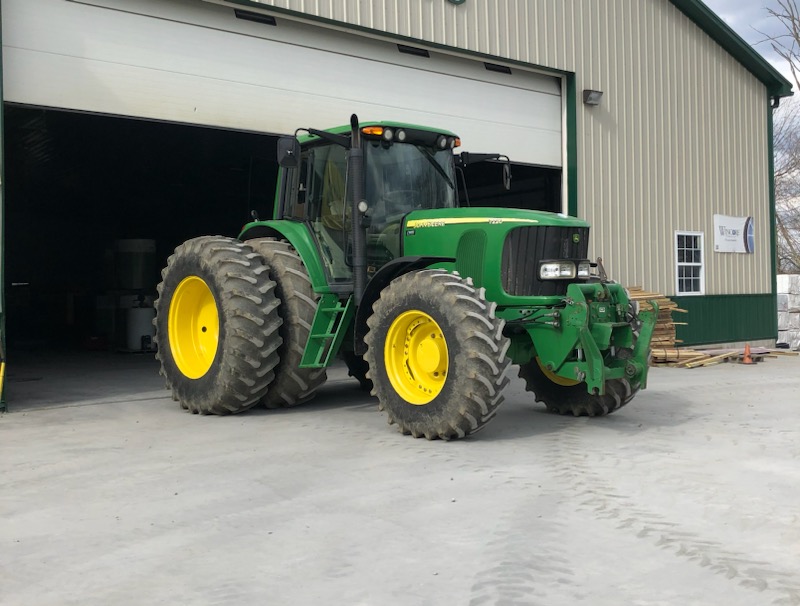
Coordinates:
[129,126]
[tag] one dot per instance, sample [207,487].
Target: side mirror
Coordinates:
[507,176]
[288,152]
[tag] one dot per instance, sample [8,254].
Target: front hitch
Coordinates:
[641,351]
[593,342]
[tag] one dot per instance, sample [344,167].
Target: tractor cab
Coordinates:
[404,169]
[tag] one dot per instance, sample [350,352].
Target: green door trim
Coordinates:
[572,145]
[3,407]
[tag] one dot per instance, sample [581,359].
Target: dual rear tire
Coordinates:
[217,326]
[298,304]
[232,320]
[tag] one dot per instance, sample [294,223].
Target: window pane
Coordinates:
[689,266]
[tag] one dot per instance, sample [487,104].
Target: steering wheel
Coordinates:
[401,201]
[389,238]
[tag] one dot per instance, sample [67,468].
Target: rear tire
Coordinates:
[436,355]
[217,326]
[298,304]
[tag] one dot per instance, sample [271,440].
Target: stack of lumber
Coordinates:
[664,341]
[708,357]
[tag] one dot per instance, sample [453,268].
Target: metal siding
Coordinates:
[686,140]
[680,134]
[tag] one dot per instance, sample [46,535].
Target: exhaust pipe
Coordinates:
[356,174]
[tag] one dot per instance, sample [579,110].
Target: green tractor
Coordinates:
[369,258]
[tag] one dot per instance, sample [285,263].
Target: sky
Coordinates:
[750,19]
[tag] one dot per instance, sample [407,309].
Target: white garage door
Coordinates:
[195,62]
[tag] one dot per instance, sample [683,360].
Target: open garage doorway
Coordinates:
[532,187]
[95,204]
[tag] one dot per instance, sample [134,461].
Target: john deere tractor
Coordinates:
[370,258]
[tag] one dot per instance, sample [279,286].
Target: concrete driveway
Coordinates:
[112,495]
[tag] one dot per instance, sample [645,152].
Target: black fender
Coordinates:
[393,269]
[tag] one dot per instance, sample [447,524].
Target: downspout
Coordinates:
[3,406]
[773,221]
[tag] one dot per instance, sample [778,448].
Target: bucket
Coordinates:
[136,264]
[140,331]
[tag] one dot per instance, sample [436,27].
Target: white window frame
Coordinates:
[701,264]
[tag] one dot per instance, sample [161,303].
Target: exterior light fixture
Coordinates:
[592,97]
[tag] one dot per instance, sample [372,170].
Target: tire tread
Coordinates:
[247,306]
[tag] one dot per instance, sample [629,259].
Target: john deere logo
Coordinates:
[576,238]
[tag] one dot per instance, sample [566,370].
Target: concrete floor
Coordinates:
[112,495]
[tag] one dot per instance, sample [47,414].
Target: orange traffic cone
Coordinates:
[747,358]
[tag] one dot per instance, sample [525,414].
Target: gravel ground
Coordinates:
[112,495]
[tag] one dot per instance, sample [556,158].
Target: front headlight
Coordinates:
[585,269]
[556,270]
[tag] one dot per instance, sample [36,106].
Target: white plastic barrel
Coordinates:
[140,324]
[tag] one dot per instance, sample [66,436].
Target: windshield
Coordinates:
[403,177]
[399,178]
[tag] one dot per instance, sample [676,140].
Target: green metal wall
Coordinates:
[726,318]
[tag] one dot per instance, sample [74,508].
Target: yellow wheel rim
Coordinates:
[416,357]
[557,379]
[193,327]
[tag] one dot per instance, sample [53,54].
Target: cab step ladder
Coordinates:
[327,331]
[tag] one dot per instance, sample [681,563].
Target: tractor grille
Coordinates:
[526,246]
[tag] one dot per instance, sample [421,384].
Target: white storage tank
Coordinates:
[140,329]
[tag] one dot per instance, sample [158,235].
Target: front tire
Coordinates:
[217,326]
[436,355]
[567,397]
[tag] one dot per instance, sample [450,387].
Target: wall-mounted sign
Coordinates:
[733,234]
